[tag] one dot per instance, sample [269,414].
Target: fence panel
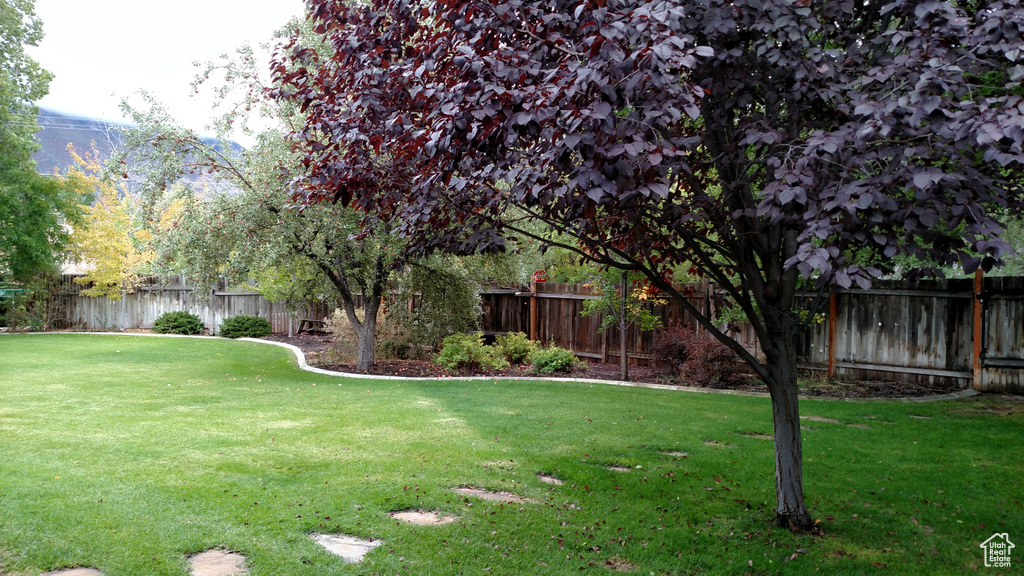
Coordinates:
[157,296]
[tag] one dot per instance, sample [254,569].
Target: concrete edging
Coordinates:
[300,357]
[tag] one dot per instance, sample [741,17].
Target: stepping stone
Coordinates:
[820,419]
[676,454]
[717,443]
[495,496]
[620,469]
[920,417]
[74,572]
[757,435]
[864,426]
[550,479]
[421,518]
[217,563]
[349,548]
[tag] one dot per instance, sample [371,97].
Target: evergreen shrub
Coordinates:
[243,326]
[180,322]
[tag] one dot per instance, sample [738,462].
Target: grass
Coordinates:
[128,454]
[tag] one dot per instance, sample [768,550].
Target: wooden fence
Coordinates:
[158,295]
[956,333]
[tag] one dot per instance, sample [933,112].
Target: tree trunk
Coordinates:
[367,336]
[790,512]
[367,341]
[623,327]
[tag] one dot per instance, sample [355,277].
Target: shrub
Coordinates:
[517,347]
[178,323]
[552,359]
[697,356]
[243,326]
[398,348]
[669,345]
[469,351]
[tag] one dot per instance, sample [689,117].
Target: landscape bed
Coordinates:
[130,454]
[317,349]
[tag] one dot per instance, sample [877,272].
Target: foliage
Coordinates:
[552,359]
[516,347]
[398,347]
[178,322]
[444,292]
[241,223]
[345,346]
[634,311]
[111,241]
[244,326]
[700,358]
[38,305]
[758,141]
[669,345]
[35,210]
[469,351]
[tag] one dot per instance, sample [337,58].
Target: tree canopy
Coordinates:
[113,241]
[760,141]
[34,209]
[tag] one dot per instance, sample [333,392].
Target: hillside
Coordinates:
[57,130]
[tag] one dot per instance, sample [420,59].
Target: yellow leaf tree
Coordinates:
[113,244]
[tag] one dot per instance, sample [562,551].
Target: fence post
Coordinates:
[533,309]
[979,276]
[833,315]
[623,327]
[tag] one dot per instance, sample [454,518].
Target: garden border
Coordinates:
[300,357]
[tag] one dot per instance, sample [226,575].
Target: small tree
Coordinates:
[112,240]
[242,223]
[759,140]
[625,301]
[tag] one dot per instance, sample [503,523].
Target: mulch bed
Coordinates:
[316,347]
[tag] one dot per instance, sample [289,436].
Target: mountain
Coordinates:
[57,130]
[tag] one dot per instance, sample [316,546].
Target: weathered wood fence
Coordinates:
[962,333]
[957,332]
[168,294]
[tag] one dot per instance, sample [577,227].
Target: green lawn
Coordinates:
[129,454]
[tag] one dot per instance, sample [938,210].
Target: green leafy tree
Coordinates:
[236,219]
[35,210]
[625,299]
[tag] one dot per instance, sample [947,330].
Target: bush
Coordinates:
[469,351]
[552,359]
[178,323]
[516,347]
[697,356]
[243,326]
[398,348]
[669,345]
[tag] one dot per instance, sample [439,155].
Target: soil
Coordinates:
[317,348]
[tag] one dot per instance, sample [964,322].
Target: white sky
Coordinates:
[102,51]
